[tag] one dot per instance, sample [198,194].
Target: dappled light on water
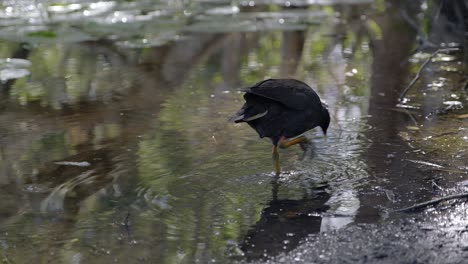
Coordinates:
[115,144]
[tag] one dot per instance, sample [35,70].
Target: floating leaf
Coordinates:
[444,57]
[12,68]
[64,8]
[44,34]
[14,63]
[225,10]
[414,128]
[9,74]
[453,104]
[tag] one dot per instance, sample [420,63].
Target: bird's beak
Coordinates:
[324,131]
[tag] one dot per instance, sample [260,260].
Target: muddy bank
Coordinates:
[411,240]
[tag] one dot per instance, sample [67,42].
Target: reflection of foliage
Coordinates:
[200,182]
[62,75]
[260,63]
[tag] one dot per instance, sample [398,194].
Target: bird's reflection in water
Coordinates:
[284,223]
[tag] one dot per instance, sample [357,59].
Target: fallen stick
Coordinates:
[418,74]
[432,202]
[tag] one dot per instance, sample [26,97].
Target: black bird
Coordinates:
[282,110]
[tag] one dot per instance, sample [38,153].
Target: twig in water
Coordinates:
[126,224]
[435,186]
[465,85]
[126,221]
[432,202]
[418,74]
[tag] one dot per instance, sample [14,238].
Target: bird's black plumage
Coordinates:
[278,108]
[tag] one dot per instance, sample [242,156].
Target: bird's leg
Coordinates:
[276,160]
[285,143]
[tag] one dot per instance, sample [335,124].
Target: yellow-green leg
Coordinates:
[286,143]
[276,161]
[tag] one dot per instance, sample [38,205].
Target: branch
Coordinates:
[420,70]
[432,202]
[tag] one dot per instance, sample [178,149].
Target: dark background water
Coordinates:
[115,145]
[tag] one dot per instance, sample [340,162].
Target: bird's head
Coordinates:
[325,119]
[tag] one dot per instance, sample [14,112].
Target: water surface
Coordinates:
[115,145]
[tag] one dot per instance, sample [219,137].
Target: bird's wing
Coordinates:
[291,93]
[254,108]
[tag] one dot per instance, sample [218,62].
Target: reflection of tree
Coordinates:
[291,52]
[444,23]
[449,22]
[233,49]
[387,151]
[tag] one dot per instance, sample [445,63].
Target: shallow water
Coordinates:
[115,145]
